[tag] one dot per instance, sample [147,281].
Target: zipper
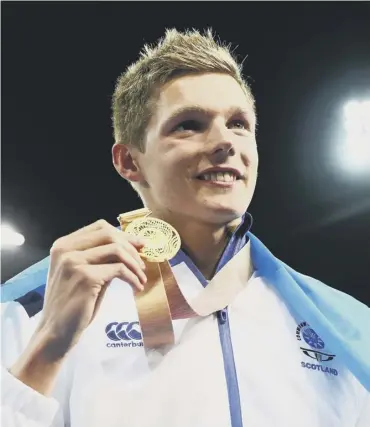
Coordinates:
[237,241]
[230,370]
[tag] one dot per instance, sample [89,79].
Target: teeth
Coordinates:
[219,176]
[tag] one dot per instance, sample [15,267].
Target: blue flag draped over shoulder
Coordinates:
[340,320]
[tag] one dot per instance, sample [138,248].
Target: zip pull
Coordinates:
[222,316]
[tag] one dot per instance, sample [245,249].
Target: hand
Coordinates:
[82,264]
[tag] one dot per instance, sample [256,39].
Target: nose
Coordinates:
[220,142]
[224,148]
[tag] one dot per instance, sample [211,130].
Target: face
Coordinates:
[201,157]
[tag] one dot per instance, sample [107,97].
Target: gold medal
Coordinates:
[162,240]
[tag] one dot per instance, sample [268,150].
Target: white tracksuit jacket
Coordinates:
[251,365]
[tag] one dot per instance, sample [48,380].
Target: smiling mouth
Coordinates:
[220,183]
[219,177]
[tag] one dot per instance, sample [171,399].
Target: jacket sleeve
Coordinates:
[21,406]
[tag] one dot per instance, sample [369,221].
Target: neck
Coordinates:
[203,242]
[205,247]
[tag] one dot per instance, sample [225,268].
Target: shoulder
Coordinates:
[32,301]
[314,288]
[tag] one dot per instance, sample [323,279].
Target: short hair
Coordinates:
[176,54]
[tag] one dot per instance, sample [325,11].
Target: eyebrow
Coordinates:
[232,111]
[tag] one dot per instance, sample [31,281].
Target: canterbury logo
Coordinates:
[124,331]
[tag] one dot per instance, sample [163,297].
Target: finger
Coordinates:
[103,274]
[66,243]
[97,237]
[97,225]
[134,252]
[114,253]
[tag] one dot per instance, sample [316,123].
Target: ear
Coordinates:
[125,163]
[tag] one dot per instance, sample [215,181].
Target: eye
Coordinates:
[188,125]
[239,124]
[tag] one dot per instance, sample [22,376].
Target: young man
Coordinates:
[287,351]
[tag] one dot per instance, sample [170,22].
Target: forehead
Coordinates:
[215,92]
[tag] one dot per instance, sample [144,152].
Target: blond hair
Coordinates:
[176,54]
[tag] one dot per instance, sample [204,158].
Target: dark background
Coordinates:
[305,60]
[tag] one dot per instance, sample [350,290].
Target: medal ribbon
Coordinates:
[162,301]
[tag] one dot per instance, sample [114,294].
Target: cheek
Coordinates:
[169,181]
[251,157]
[173,170]
[256,160]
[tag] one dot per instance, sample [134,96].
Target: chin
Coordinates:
[226,204]
[223,213]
